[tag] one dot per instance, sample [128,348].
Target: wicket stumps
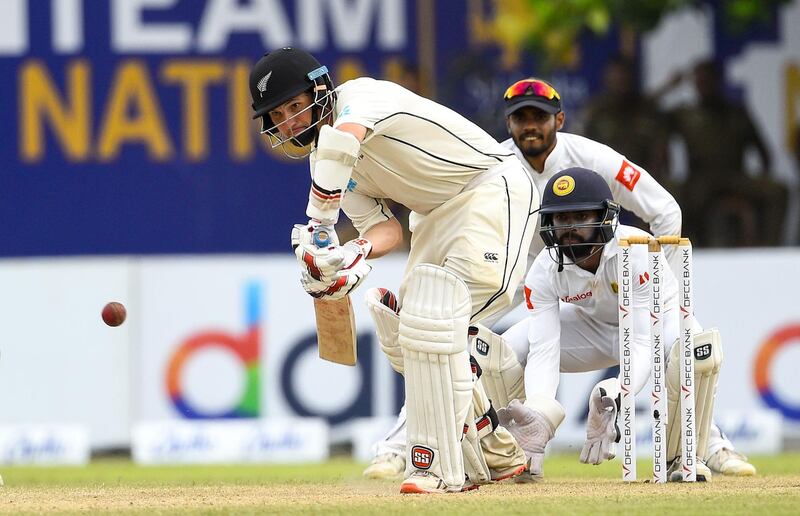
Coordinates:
[657,357]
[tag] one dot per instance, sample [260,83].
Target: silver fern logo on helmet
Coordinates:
[262,84]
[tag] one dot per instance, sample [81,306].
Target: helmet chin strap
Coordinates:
[597,248]
[308,136]
[559,251]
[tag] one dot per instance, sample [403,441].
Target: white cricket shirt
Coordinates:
[416,152]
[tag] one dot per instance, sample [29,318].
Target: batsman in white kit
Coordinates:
[370,141]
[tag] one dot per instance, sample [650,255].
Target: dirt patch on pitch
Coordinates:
[355,497]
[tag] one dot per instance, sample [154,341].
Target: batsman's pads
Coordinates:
[433,338]
[503,375]
[707,362]
[387,324]
[337,152]
[602,429]
[533,424]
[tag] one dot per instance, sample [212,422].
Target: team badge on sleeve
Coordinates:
[528,302]
[628,175]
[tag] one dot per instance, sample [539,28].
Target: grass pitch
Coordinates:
[338,488]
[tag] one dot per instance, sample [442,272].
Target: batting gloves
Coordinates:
[334,271]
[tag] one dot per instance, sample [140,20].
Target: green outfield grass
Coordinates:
[337,487]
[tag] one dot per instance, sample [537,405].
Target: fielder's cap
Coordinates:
[575,189]
[532,92]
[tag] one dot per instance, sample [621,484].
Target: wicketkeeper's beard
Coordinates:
[579,253]
[576,248]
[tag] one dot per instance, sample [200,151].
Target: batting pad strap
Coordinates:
[503,375]
[487,423]
[548,407]
[387,326]
[335,155]
[477,372]
[480,424]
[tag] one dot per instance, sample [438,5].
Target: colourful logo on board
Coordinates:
[245,346]
[762,377]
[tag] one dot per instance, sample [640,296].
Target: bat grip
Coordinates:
[322,235]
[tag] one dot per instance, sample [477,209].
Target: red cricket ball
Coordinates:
[114,313]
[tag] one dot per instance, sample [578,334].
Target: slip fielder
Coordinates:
[571,296]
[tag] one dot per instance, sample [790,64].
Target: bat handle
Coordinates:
[322,236]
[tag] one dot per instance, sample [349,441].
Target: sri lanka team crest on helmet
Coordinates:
[564,186]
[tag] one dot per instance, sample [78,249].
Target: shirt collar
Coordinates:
[554,158]
[610,250]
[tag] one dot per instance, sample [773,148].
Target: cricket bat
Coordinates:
[336,325]
[336,330]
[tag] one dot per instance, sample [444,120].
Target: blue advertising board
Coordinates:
[128,123]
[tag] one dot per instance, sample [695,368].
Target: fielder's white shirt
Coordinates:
[594,298]
[631,185]
[416,152]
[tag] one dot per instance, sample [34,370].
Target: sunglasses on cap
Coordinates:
[531,87]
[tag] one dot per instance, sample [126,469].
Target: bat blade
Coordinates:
[336,330]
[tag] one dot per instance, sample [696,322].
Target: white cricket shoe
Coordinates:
[675,471]
[424,482]
[731,462]
[386,466]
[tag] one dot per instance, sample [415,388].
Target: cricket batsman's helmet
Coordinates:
[283,74]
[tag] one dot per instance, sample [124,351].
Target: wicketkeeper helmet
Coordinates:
[577,189]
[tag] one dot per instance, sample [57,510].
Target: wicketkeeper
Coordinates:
[571,295]
[370,141]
